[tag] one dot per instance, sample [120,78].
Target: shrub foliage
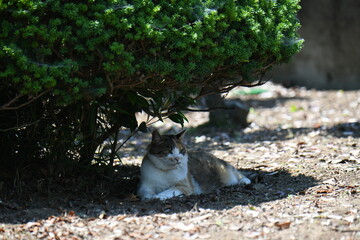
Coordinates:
[73,73]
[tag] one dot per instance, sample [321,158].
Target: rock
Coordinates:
[233,113]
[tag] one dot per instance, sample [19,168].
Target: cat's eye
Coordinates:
[183,151]
[163,152]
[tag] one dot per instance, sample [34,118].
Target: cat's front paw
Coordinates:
[169,193]
[244,181]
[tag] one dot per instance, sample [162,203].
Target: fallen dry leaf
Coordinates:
[71,214]
[325,191]
[102,215]
[181,226]
[331,181]
[282,225]
[32,224]
[301,144]
[120,218]
[80,224]
[200,218]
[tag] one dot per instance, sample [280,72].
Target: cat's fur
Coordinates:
[169,170]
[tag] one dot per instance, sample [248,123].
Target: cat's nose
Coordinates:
[176,159]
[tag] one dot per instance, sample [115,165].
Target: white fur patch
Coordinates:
[169,193]
[197,188]
[175,154]
[157,183]
[233,176]
[244,181]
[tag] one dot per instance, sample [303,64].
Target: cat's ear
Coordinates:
[156,137]
[180,135]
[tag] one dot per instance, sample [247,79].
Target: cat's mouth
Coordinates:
[175,161]
[174,164]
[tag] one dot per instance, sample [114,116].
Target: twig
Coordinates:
[12,101]
[127,139]
[113,149]
[4,107]
[350,230]
[208,109]
[18,127]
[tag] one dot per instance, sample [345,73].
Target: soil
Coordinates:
[302,146]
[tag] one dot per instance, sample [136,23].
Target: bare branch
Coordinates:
[12,101]
[6,106]
[19,127]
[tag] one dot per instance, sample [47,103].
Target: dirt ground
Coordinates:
[303,144]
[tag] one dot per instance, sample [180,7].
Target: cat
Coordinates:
[169,170]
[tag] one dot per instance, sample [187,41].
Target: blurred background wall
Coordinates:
[330,58]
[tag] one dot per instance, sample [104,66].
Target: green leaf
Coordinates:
[142,127]
[128,121]
[138,100]
[294,108]
[178,118]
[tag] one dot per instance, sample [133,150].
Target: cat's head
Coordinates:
[167,151]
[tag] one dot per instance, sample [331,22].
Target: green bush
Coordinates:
[75,72]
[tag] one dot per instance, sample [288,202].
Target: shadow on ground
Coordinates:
[341,130]
[269,103]
[91,197]
[116,196]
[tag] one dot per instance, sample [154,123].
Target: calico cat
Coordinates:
[169,170]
